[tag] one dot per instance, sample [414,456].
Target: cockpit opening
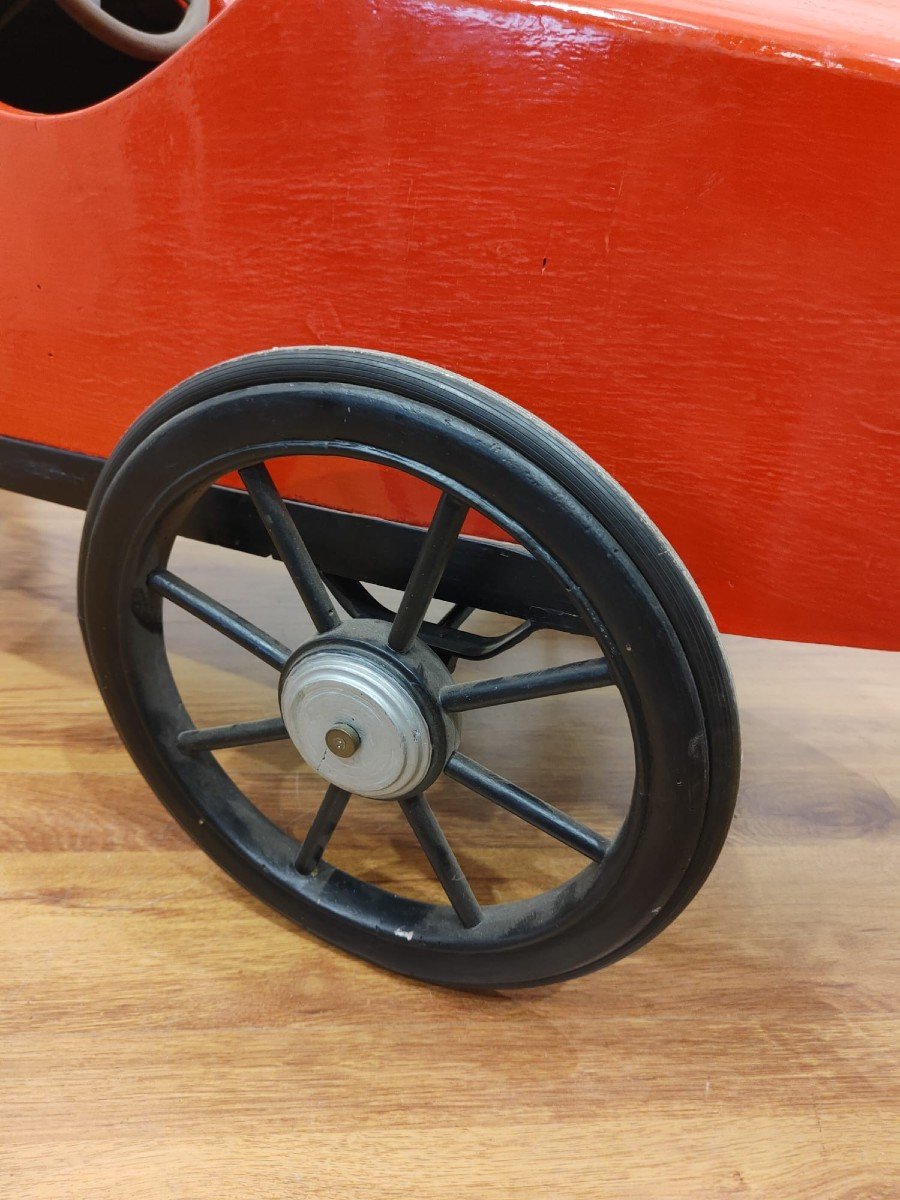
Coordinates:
[57,56]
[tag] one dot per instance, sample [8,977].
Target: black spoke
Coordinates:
[223,619]
[522,804]
[455,616]
[323,826]
[433,556]
[290,546]
[530,685]
[437,849]
[222,737]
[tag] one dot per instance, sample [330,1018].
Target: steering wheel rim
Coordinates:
[151,47]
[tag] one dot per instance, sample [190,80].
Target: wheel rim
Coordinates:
[469,931]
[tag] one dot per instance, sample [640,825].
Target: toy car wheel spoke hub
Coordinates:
[365,723]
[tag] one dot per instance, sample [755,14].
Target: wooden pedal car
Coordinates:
[669,237]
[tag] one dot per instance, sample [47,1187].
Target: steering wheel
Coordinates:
[152,47]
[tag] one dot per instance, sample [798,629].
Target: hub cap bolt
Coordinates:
[342,740]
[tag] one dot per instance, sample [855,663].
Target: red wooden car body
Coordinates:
[673,236]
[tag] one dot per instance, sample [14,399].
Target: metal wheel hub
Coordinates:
[366,724]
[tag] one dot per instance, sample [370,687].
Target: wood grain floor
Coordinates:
[164,1035]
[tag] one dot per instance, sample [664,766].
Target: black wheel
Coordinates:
[370,701]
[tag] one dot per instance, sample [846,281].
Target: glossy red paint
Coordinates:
[678,245]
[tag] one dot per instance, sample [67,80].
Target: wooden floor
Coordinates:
[164,1035]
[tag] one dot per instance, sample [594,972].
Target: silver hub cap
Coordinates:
[332,690]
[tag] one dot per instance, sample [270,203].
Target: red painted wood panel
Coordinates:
[681,249]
